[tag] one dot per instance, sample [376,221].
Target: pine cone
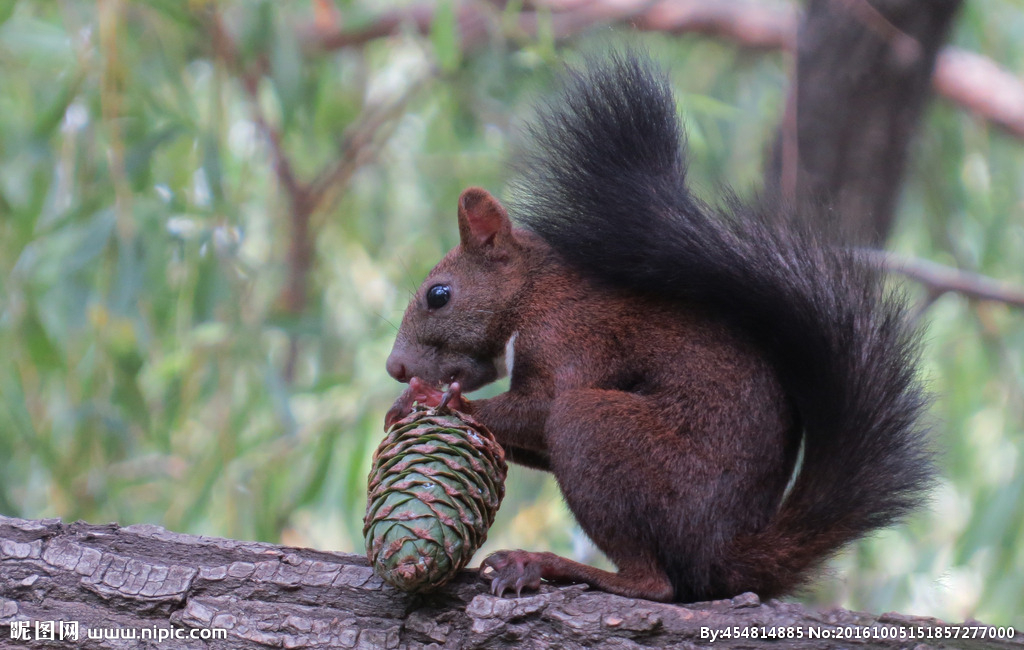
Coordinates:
[437,481]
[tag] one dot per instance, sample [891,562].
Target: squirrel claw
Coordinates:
[451,396]
[511,570]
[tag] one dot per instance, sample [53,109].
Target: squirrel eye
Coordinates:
[438,296]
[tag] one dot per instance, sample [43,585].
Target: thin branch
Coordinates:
[360,142]
[749,24]
[300,244]
[297,192]
[940,279]
[966,79]
[112,80]
[982,87]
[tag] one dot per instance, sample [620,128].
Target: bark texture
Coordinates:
[863,75]
[266,596]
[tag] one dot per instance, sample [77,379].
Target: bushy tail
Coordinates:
[604,184]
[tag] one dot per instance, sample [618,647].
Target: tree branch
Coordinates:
[360,143]
[982,87]
[940,279]
[300,242]
[138,578]
[966,79]
[863,72]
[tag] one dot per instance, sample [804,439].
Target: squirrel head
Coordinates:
[458,323]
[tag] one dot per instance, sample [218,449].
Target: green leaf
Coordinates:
[176,10]
[137,162]
[546,33]
[257,28]
[92,240]
[287,71]
[697,103]
[213,169]
[444,35]
[40,347]
[53,114]
[323,459]
[6,9]
[36,41]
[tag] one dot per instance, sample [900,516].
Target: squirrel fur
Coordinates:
[668,360]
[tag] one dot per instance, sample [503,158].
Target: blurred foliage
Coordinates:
[144,250]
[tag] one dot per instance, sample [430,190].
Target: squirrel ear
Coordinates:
[482,220]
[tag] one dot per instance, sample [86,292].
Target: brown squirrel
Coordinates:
[667,360]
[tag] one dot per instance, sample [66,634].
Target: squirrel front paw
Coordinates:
[421,392]
[512,570]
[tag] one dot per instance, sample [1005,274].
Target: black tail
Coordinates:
[604,184]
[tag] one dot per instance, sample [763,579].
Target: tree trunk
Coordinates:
[863,74]
[143,580]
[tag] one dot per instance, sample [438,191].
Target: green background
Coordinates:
[144,241]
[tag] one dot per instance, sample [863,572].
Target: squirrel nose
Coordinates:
[397,369]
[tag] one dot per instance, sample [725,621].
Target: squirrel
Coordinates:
[669,362]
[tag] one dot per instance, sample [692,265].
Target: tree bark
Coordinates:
[863,74]
[143,578]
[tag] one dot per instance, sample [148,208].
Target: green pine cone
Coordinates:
[437,481]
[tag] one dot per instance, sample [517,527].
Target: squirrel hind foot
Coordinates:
[509,570]
[519,570]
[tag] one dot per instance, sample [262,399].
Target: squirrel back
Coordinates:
[604,184]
